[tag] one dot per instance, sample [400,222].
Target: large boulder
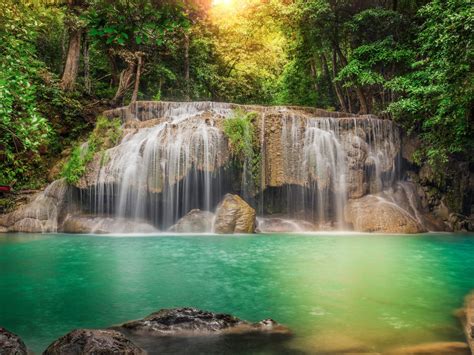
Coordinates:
[375,214]
[11,344]
[93,341]
[196,221]
[192,321]
[84,224]
[234,215]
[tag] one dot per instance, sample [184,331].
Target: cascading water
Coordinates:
[175,157]
[161,172]
[327,160]
[179,160]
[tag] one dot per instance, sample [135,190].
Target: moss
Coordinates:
[244,143]
[105,135]
[241,133]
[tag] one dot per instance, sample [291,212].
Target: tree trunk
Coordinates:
[314,74]
[137,78]
[87,77]
[336,85]
[75,33]
[364,108]
[71,68]
[349,101]
[125,81]
[186,67]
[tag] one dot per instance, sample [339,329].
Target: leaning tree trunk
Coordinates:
[137,77]
[126,76]
[71,68]
[125,81]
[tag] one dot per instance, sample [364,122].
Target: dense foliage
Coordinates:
[63,62]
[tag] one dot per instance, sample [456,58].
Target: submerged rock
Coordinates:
[11,344]
[196,221]
[104,225]
[93,341]
[375,214]
[441,348]
[468,320]
[192,321]
[234,215]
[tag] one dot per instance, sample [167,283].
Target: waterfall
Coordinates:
[159,173]
[174,157]
[328,160]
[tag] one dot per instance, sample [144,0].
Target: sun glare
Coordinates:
[222,2]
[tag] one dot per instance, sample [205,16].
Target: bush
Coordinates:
[106,134]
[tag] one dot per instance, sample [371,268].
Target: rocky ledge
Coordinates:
[177,330]
[192,321]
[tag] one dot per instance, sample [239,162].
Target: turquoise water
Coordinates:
[336,292]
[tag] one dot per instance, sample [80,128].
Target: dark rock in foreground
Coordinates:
[192,321]
[11,344]
[93,341]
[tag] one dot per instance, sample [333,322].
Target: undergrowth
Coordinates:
[105,135]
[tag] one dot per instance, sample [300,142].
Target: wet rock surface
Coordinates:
[375,214]
[439,348]
[190,330]
[42,213]
[234,215]
[93,341]
[11,344]
[192,321]
[195,221]
[103,225]
[467,319]
[282,225]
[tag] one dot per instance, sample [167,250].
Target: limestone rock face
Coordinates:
[11,344]
[195,221]
[42,213]
[234,215]
[192,321]
[91,341]
[103,225]
[375,214]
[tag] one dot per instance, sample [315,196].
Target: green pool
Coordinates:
[336,292]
